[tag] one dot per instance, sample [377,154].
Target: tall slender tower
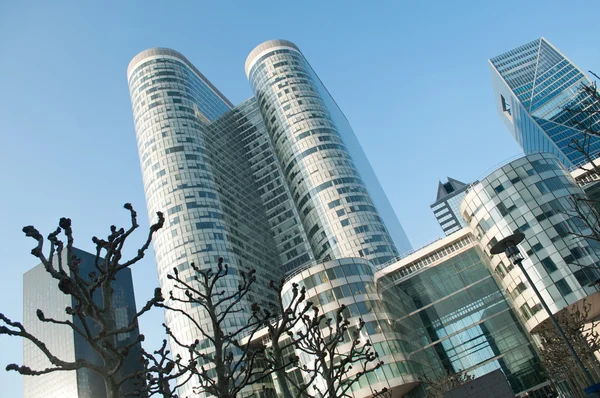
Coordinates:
[275,184]
[192,174]
[445,208]
[314,144]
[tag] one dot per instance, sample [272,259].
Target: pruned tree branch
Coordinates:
[93,315]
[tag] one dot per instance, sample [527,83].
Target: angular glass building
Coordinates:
[276,184]
[533,85]
[40,291]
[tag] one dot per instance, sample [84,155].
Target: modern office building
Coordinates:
[437,310]
[459,314]
[535,85]
[351,282]
[589,180]
[445,207]
[40,291]
[533,195]
[274,184]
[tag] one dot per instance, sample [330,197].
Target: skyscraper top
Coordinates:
[529,69]
[161,52]
[535,85]
[448,188]
[267,45]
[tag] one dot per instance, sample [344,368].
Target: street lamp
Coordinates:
[509,247]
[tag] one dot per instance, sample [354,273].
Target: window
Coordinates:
[542,187]
[520,288]
[505,105]
[534,249]
[556,183]
[526,311]
[448,187]
[524,227]
[361,229]
[334,203]
[502,209]
[563,287]
[549,265]
[585,276]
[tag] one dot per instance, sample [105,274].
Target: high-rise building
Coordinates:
[273,184]
[445,207]
[535,85]
[40,291]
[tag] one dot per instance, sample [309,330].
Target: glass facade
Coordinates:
[465,320]
[196,170]
[533,84]
[246,143]
[273,184]
[533,195]
[351,282]
[40,291]
[330,195]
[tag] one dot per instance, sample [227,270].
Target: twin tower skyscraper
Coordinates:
[275,183]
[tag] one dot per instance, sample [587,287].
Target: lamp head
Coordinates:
[509,247]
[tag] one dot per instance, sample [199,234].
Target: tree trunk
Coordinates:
[112,388]
[282,385]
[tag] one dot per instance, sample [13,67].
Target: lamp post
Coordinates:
[509,247]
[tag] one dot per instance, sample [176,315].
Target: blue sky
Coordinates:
[412,78]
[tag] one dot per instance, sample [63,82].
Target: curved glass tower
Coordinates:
[275,184]
[351,282]
[335,206]
[200,178]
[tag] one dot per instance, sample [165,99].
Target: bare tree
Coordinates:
[162,375]
[224,366]
[340,358]
[436,388]
[92,317]
[584,113]
[226,362]
[280,320]
[584,336]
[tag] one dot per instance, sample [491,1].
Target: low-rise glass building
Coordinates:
[533,195]
[351,282]
[438,310]
[447,287]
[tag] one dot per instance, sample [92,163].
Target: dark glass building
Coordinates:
[40,291]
